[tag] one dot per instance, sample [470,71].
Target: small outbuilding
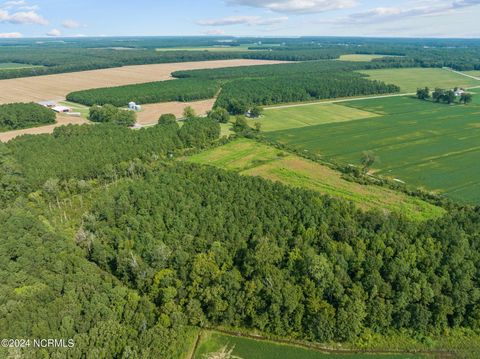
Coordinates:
[48,104]
[134,107]
[61,109]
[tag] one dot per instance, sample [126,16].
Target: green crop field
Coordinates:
[244,348]
[256,159]
[473,73]
[14,66]
[411,79]
[425,144]
[360,57]
[275,119]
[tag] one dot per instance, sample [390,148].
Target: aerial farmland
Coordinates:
[239,197]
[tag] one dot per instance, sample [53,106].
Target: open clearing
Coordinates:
[151,113]
[425,144]
[275,119]
[243,47]
[246,348]
[410,79]
[257,159]
[62,120]
[360,57]
[15,66]
[56,87]
[76,107]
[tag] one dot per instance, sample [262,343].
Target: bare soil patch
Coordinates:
[62,120]
[56,87]
[150,113]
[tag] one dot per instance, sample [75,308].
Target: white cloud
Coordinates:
[54,33]
[13,4]
[10,35]
[385,14]
[22,17]
[71,24]
[242,20]
[296,6]
[27,17]
[214,32]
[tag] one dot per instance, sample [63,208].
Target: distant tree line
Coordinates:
[89,54]
[24,115]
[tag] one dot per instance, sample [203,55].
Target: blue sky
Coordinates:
[434,18]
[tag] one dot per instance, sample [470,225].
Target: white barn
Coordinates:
[61,109]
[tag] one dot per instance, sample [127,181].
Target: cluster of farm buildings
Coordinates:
[55,107]
[67,110]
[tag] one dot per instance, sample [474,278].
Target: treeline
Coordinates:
[245,87]
[303,68]
[24,115]
[240,95]
[87,54]
[461,59]
[84,152]
[152,92]
[112,114]
[69,59]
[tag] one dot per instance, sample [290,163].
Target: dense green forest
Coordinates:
[112,114]
[95,53]
[24,115]
[239,95]
[287,69]
[85,152]
[152,92]
[244,87]
[113,242]
[50,290]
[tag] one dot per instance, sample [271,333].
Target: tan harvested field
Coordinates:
[61,121]
[150,113]
[56,87]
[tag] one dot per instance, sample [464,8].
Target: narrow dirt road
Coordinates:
[463,74]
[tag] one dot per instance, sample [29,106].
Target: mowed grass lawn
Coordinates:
[425,144]
[83,110]
[14,66]
[275,119]
[246,348]
[411,79]
[473,73]
[252,158]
